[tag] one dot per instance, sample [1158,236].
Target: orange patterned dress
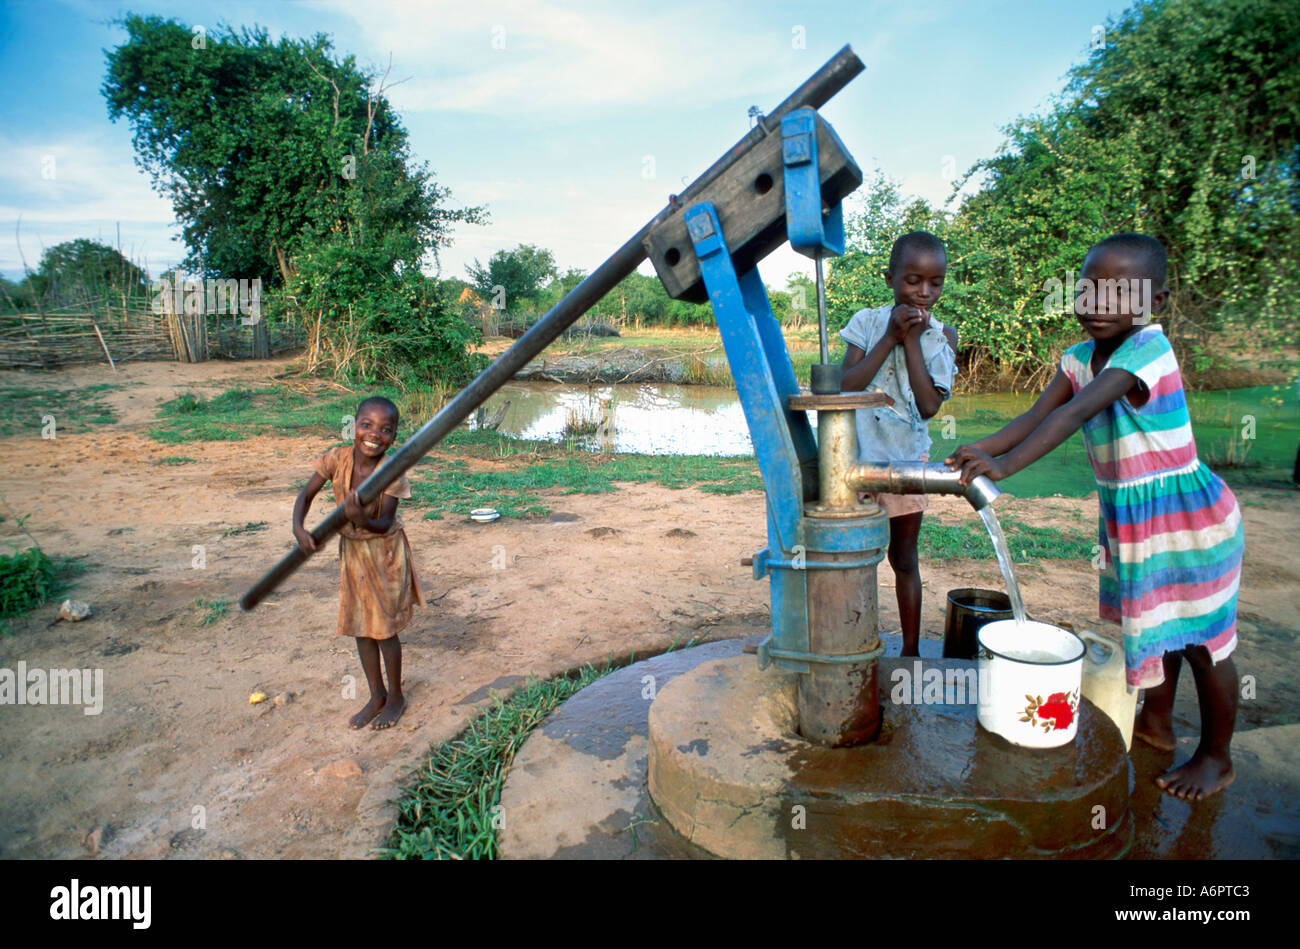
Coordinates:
[377,586]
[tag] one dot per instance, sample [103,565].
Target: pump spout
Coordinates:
[917,477]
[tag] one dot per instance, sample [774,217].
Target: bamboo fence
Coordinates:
[120,332]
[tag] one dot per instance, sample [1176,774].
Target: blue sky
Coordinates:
[557,131]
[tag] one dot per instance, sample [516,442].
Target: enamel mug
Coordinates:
[1029,682]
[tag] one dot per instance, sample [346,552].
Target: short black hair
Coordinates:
[915,240]
[389,404]
[1149,252]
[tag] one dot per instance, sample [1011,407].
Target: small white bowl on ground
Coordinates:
[484,515]
[1029,682]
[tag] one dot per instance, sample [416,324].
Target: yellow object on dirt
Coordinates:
[256,697]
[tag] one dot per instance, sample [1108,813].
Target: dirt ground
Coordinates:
[179,764]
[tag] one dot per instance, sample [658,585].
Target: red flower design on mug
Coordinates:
[1058,708]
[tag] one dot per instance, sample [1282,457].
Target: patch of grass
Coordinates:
[969,541]
[74,410]
[212,610]
[187,403]
[248,528]
[243,413]
[176,460]
[448,812]
[582,420]
[1232,452]
[29,578]
[707,372]
[451,488]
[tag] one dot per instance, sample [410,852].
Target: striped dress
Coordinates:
[1170,529]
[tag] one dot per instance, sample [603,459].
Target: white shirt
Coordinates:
[898,432]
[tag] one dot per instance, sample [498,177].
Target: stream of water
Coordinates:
[990,519]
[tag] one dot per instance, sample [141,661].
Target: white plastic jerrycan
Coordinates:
[1104,684]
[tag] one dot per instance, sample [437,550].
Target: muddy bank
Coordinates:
[633,364]
[707,365]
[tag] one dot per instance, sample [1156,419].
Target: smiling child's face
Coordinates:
[375,429]
[918,279]
[1115,294]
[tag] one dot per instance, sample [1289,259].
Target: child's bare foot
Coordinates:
[1203,775]
[1155,732]
[393,710]
[367,714]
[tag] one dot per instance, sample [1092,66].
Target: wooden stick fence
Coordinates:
[121,333]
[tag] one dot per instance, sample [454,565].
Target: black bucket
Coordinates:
[968,610]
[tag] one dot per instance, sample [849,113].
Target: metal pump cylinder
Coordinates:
[838,697]
[916,477]
[837,441]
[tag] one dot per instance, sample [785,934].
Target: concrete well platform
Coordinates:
[727,770]
[579,786]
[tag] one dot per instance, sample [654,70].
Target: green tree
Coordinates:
[1184,125]
[798,302]
[559,287]
[80,270]
[256,142]
[638,297]
[285,164]
[516,278]
[21,296]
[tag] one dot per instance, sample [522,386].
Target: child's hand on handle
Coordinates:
[907,320]
[306,543]
[973,462]
[352,508]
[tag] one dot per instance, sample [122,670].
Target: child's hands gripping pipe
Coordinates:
[306,543]
[973,462]
[352,508]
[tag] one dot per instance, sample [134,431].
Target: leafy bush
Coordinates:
[27,580]
[1185,125]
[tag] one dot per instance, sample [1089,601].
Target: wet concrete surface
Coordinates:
[1256,817]
[578,787]
[934,784]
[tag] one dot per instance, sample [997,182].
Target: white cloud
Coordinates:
[80,186]
[559,60]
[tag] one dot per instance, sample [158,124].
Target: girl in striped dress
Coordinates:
[1171,529]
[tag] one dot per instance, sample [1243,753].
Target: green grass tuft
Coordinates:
[212,610]
[29,579]
[74,410]
[449,487]
[244,413]
[970,541]
[448,812]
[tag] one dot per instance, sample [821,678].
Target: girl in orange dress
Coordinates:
[377,586]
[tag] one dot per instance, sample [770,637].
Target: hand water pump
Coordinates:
[785,180]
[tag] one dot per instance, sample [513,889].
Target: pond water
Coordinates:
[658,419]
